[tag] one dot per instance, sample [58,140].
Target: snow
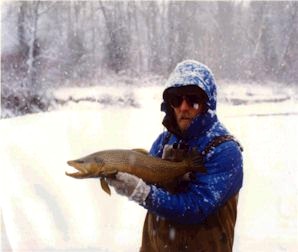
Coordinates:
[44,210]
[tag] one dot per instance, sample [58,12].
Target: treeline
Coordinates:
[48,43]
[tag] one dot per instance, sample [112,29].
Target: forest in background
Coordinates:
[49,44]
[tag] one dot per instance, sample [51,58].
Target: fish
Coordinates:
[153,170]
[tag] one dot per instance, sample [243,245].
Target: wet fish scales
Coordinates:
[151,169]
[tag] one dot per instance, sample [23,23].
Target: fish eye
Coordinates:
[80,161]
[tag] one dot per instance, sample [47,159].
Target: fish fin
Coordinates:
[197,163]
[109,174]
[105,186]
[142,151]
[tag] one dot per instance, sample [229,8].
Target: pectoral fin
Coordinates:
[103,182]
[105,186]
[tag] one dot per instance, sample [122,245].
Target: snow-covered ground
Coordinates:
[44,210]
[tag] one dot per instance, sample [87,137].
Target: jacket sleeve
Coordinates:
[205,193]
[157,147]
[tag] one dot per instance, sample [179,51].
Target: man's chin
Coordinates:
[184,124]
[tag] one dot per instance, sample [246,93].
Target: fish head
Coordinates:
[89,166]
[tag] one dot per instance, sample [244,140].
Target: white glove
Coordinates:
[130,186]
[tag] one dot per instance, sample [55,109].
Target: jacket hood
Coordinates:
[194,73]
[191,72]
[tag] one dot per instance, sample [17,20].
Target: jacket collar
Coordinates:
[199,126]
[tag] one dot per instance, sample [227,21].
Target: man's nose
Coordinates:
[184,105]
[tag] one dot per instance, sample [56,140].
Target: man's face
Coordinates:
[186,108]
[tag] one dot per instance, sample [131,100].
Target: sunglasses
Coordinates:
[191,100]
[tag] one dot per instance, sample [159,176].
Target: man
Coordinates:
[198,212]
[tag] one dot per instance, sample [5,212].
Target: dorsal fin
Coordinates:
[140,150]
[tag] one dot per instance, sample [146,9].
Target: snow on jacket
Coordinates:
[207,199]
[224,164]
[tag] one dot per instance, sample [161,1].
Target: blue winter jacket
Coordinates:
[201,196]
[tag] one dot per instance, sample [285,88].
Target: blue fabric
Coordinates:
[191,72]
[223,179]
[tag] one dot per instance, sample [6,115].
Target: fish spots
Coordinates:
[132,160]
[98,160]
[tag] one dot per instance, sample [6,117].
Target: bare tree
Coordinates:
[70,42]
[117,46]
[289,57]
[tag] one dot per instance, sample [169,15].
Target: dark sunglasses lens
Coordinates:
[176,101]
[191,100]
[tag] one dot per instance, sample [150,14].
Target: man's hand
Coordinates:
[176,153]
[130,186]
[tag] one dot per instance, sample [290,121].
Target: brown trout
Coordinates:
[152,170]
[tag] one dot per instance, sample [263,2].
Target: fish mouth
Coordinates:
[81,173]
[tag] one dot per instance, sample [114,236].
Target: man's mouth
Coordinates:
[185,118]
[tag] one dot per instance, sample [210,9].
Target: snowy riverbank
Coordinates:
[44,210]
